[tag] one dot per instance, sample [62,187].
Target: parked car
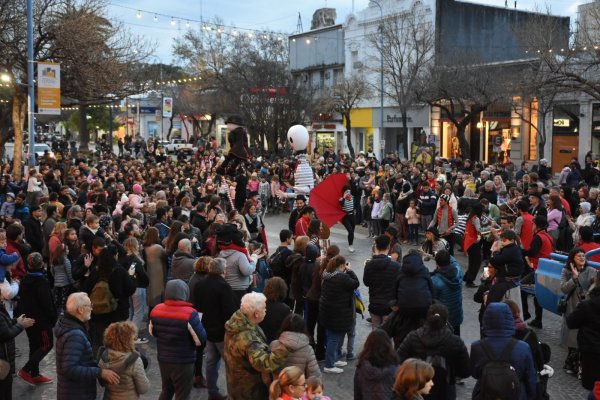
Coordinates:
[179,145]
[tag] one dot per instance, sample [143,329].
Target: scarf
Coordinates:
[235,247]
[450,216]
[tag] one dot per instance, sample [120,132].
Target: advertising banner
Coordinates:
[167,111]
[48,88]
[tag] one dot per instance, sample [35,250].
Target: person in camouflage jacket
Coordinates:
[247,355]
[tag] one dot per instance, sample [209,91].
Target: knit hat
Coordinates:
[104,221]
[585,206]
[445,197]
[137,188]
[177,290]
[10,194]
[5,261]
[543,161]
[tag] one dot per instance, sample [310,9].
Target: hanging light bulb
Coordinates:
[187,23]
[155,17]
[138,14]
[172,21]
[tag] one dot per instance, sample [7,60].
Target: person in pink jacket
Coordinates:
[413,220]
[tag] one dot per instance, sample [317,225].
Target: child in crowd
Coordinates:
[314,389]
[275,187]
[262,272]
[413,219]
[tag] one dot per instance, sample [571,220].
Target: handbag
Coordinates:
[4,365]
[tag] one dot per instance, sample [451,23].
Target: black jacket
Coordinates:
[214,298]
[380,277]
[337,308]
[86,237]
[9,329]
[492,196]
[509,261]
[423,342]
[34,234]
[121,285]
[413,288]
[36,300]
[276,313]
[141,276]
[586,318]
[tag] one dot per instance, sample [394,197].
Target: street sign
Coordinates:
[158,117]
[48,88]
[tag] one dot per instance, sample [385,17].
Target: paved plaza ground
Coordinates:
[561,386]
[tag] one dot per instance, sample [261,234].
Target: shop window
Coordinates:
[596,131]
[533,127]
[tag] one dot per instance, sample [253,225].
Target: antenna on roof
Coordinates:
[515,3]
[505,3]
[299,28]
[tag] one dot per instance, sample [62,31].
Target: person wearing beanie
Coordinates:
[8,208]
[585,218]
[6,260]
[444,219]
[135,199]
[178,331]
[542,245]
[36,301]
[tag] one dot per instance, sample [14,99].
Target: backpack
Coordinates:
[441,378]
[499,380]
[276,264]
[102,298]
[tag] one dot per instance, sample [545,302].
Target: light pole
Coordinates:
[377,143]
[31,88]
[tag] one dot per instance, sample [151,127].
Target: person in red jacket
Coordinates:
[542,245]
[306,215]
[586,242]
[524,224]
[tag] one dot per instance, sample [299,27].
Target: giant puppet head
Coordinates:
[298,137]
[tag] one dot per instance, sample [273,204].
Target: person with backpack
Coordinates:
[109,287]
[439,346]
[503,366]
[447,287]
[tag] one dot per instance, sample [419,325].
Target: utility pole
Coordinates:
[30,87]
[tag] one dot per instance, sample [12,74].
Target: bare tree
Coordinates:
[343,97]
[406,41]
[101,61]
[462,91]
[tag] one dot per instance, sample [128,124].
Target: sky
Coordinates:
[162,22]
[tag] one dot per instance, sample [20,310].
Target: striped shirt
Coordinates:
[347,205]
[303,176]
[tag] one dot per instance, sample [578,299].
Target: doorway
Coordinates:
[564,147]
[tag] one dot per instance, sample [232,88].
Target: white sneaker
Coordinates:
[333,370]
[340,363]
[141,340]
[351,249]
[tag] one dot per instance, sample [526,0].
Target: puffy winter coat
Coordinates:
[447,289]
[509,261]
[337,309]
[247,356]
[178,331]
[414,288]
[380,277]
[498,330]
[76,367]
[374,383]
[423,342]
[132,378]
[301,354]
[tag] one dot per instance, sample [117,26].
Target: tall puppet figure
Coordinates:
[304,179]
[238,146]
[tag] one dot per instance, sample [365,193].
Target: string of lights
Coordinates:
[205,25]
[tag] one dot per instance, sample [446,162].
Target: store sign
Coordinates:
[397,118]
[48,88]
[562,122]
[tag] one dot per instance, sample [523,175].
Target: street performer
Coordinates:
[238,146]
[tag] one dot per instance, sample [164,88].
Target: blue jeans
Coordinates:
[334,341]
[137,308]
[350,342]
[214,353]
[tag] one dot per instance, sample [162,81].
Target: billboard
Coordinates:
[167,111]
[48,88]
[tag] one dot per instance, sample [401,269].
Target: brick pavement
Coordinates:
[560,387]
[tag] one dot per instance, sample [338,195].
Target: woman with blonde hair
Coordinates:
[289,385]
[119,355]
[56,238]
[413,380]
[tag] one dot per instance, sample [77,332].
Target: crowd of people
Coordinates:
[98,253]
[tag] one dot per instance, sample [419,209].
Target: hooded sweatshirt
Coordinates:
[176,326]
[498,330]
[238,269]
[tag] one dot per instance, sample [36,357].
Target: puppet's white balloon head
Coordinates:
[298,137]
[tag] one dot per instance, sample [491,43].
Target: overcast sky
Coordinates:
[273,15]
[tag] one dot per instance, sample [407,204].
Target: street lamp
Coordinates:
[161,96]
[5,78]
[377,144]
